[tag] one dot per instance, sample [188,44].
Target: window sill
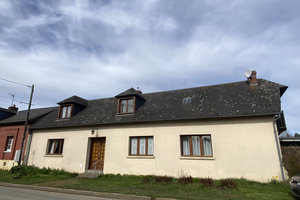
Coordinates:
[6,151]
[141,157]
[62,119]
[196,158]
[53,155]
[124,114]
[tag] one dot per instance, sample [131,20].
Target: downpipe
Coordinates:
[276,117]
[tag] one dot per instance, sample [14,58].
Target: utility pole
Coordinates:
[26,124]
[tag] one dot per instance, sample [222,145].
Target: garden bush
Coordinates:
[228,183]
[291,159]
[24,170]
[185,180]
[163,179]
[207,182]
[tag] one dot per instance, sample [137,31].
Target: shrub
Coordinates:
[228,183]
[24,170]
[163,179]
[185,180]
[148,179]
[207,182]
[291,159]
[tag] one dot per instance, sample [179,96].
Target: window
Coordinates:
[187,100]
[65,111]
[9,143]
[55,147]
[141,146]
[196,145]
[126,105]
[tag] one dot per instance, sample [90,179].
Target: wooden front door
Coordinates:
[97,154]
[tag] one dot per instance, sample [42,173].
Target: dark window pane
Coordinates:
[185,146]
[64,112]
[69,112]
[130,105]
[123,106]
[207,146]
[56,148]
[133,149]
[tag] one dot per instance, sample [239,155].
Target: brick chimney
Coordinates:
[253,79]
[13,108]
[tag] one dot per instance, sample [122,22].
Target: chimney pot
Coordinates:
[13,108]
[253,79]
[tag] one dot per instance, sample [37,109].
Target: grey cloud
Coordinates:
[97,49]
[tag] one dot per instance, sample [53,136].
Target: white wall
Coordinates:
[241,148]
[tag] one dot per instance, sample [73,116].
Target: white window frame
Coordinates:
[9,143]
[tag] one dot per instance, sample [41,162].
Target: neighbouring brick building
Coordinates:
[11,133]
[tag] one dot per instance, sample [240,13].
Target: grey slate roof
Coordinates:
[130,92]
[20,117]
[75,99]
[7,110]
[217,101]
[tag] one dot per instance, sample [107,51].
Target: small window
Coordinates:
[9,143]
[187,100]
[55,147]
[126,105]
[196,145]
[65,111]
[141,146]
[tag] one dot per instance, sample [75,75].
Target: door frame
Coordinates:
[89,151]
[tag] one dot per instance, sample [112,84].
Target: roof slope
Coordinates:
[225,100]
[74,99]
[21,115]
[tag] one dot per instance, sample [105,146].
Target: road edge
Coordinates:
[78,192]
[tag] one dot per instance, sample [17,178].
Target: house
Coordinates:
[11,133]
[5,113]
[218,131]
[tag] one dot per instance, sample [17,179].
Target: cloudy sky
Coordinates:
[97,49]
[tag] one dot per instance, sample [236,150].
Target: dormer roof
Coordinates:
[130,92]
[74,99]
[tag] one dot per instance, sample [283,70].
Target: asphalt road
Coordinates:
[8,193]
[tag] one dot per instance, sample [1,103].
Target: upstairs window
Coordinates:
[126,105]
[196,145]
[9,143]
[65,111]
[55,147]
[141,146]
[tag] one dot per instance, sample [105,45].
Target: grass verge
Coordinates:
[148,186]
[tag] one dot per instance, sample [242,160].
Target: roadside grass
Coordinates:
[154,187]
[34,178]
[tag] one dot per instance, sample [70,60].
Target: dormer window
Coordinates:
[65,111]
[126,105]
[129,101]
[71,106]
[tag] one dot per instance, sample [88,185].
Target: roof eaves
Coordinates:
[157,120]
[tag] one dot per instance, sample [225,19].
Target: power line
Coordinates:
[15,82]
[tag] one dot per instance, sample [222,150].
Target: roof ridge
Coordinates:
[197,87]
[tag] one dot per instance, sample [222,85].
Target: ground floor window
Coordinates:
[9,143]
[55,146]
[141,146]
[196,145]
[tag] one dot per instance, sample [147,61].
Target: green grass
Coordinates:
[7,177]
[135,185]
